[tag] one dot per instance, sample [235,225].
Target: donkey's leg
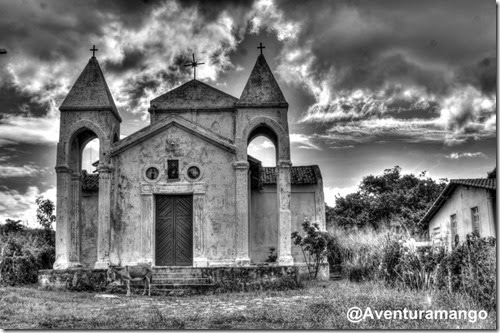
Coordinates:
[145,285]
[128,287]
[149,285]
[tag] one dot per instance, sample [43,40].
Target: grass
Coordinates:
[320,305]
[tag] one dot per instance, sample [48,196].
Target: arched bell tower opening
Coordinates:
[84,151]
[263,217]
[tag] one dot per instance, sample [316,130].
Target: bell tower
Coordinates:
[263,111]
[87,112]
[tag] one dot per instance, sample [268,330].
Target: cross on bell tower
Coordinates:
[93,49]
[194,64]
[261,47]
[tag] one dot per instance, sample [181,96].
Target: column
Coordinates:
[104,217]
[147,225]
[199,241]
[74,219]
[242,254]
[63,221]
[285,216]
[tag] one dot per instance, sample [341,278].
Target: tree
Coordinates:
[493,173]
[390,197]
[12,226]
[44,213]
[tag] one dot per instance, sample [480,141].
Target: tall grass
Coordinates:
[358,252]
[394,259]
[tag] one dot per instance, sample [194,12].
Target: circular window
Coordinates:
[193,172]
[152,173]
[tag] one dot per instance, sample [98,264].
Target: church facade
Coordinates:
[181,191]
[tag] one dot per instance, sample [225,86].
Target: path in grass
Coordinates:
[319,305]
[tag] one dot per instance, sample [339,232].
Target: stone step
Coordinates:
[176,269]
[181,286]
[179,275]
[180,281]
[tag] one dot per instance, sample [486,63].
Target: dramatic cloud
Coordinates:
[24,130]
[8,171]
[22,206]
[366,60]
[457,156]
[303,141]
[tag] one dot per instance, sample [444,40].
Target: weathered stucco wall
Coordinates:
[263,224]
[219,122]
[264,218]
[460,203]
[218,218]
[89,229]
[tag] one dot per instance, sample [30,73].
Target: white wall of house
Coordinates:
[461,203]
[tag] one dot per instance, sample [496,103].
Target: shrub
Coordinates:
[22,254]
[313,246]
[471,268]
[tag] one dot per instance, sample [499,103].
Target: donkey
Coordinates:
[132,273]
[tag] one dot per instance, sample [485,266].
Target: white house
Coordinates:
[464,206]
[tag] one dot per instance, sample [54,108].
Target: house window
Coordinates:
[475,219]
[454,234]
[436,232]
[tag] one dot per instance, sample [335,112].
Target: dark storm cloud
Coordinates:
[211,9]
[370,43]
[18,102]
[138,86]
[132,60]
[482,74]
[54,29]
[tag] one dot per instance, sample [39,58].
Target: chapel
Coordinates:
[182,191]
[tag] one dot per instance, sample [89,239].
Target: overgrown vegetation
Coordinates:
[395,260]
[24,251]
[388,198]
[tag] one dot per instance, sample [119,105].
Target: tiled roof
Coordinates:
[90,92]
[301,175]
[490,184]
[486,183]
[261,88]
[90,182]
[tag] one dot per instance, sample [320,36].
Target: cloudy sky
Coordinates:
[371,84]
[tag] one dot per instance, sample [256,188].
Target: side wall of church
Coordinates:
[130,236]
[219,122]
[264,218]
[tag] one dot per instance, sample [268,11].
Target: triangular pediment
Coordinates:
[162,125]
[194,95]
[261,88]
[90,92]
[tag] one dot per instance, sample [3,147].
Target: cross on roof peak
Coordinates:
[93,49]
[194,64]
[261,47]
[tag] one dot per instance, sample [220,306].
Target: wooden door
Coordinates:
[174,230]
